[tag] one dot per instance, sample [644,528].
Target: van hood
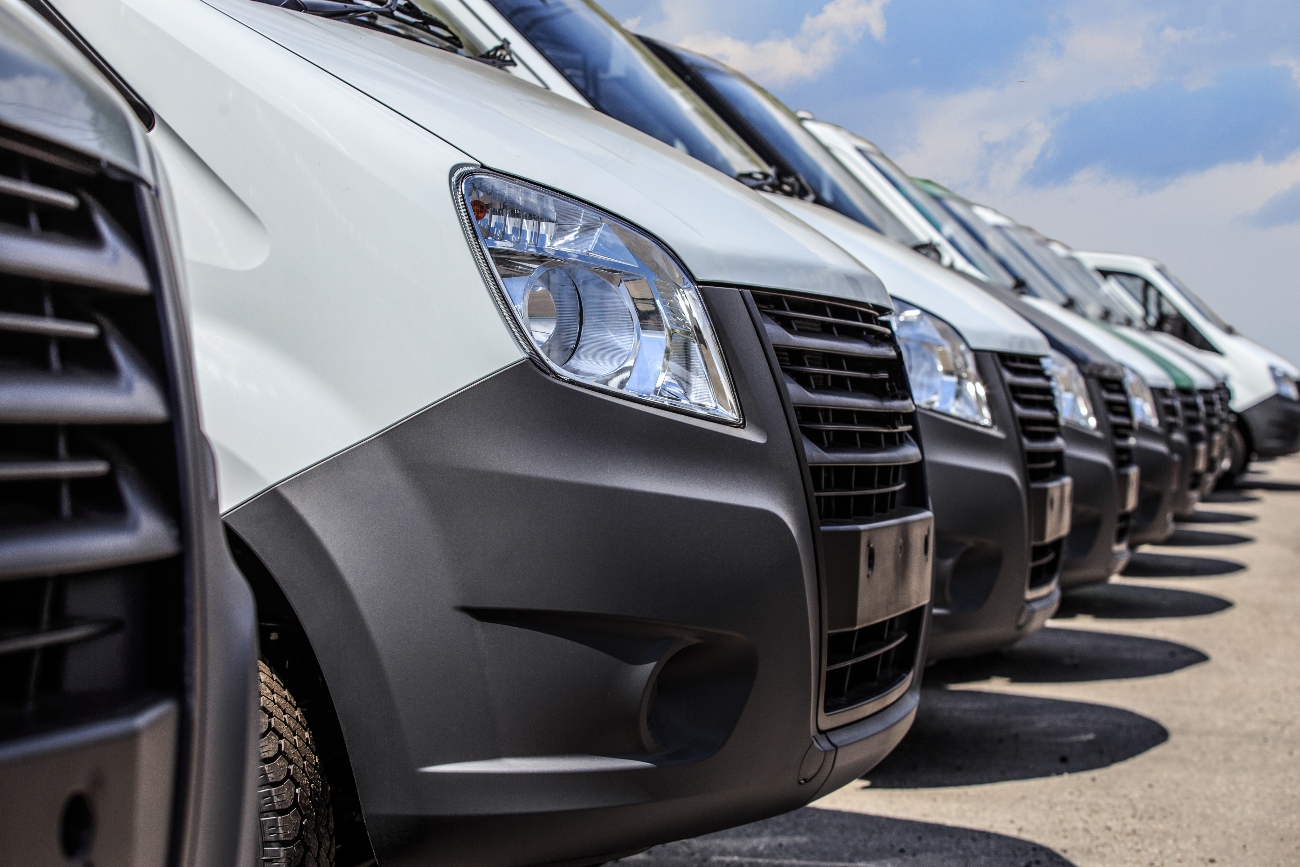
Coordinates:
[984,322]
[1188,357]
[722,231]
[1130,356]
[1184,374]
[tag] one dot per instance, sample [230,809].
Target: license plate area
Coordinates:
[1049,509]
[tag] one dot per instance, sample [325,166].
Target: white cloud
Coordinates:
[821,39]
[989,137]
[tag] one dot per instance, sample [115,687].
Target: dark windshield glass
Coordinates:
[1053,266]
[1090,282]
[783,138]
[1031,278]
[937,216]
[1192,299]
[621,78]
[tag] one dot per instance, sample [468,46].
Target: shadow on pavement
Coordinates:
[1146,564]
[1059,654]
[1232,495]
[835,838]
[1201,516]
[1187,537]
[1130,602]
[968,737]
[1267,485]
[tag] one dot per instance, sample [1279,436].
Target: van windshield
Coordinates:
[1033,246]
[1192,299]
[775,131]
[1030,278]
[622,79]
[937,216]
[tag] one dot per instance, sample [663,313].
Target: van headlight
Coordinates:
[596,301]
[1286,386]
[940,366]
[1071,392]
[1141,402]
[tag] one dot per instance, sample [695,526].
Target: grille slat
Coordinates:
[868,663]
[1034,403]
[56,636]
[847,387]
[1120,414]
[1170,409]
[92,589]
[853,405]
[107,260]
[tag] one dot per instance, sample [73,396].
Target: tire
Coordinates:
[293,795]
[1238,459]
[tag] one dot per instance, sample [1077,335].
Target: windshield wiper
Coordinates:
[929,250]
[399,18]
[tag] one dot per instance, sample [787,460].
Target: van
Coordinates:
[579,486]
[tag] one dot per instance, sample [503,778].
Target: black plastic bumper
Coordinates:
[558,626]
[981,566]
[1092,551]
[1162,469]
[1274,426]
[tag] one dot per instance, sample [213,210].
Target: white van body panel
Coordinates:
[1248,363]
[310,333]
[984,322]
[721,230]
[1130,356]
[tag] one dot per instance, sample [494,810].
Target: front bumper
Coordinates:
[558,626]
[1095,548]
[1274,426]
[982,598]
[1159,459]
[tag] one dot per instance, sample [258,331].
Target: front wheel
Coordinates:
[293,796]
[1237,458]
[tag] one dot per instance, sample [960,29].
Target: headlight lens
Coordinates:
[1141,402]
[1286,386]
[599,302]
[941,367]
[1071,392]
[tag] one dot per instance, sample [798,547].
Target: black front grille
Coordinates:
[92,598]
[1123,525]
[1193,414]
[868,663]
[1215,402]
[1120,414]
[1044,564]
[846,382]
[1034,404]
[1170,409]
[848,391]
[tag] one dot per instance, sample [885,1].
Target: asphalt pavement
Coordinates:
[1155,721]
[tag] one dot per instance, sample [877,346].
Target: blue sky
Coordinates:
[1168,128]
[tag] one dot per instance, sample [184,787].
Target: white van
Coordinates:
[1264,392]
[575,481]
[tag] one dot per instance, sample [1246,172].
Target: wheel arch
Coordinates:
[287,649]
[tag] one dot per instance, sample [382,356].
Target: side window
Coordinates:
[1142,291]
[1160,314]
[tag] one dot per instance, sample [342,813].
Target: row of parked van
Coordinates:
[594,451]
